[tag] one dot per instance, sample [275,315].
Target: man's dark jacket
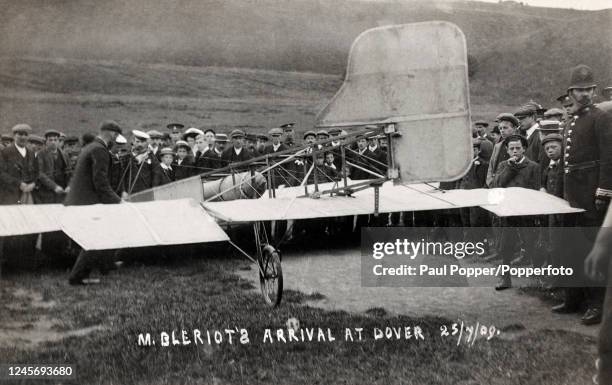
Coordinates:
[15,169]
[90,183]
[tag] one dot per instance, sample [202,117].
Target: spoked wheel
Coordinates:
[271,276]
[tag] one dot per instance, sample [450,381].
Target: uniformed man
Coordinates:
[175,132]
[183,165]
[90,185]
[288,129]
[138,175]
[237,151]
[587,162]
[508,125]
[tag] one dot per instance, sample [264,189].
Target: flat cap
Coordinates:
[481,123]
[549,125]
[22,128]
[237,134]
[495,129]
[515,137]
[166,151]
[553,112]
[182,143]
[251,137]
[210,130]
[71,139]
[287,126]
[262,137]
[505,116]
[323,133]
[36,139]
[221,138]
[140,134]
[335,131]
[110,125]
[552,138]
[275,132]
[526,110]
[154,134]
[175,126]
[6,137]
[309,133]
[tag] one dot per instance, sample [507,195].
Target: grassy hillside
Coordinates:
[518,52]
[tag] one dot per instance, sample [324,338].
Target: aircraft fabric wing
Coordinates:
[30,219]
[517,201]
[169,222]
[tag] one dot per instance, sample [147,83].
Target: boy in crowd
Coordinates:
[517,171]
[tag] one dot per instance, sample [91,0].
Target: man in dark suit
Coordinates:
[530,128]
[163,172]
[358,159]
[207,158]
[376,156]
[280,174]
[183,163]
[54,168]
[587,162]
[237,151]
[138,175]
[90,185]
[20,169]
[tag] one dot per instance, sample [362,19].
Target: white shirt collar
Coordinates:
[276,146]
[372,148]
[532,129]
[553,163]
[237,151]
[165,167]
[22,150]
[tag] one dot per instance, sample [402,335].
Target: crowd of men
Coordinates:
[564,150]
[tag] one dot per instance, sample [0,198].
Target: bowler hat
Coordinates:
[582,77]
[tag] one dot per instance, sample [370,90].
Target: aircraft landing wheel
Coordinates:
[271,276]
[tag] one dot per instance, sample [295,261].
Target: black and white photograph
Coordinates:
[306,192]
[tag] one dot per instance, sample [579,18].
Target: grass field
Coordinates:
[100,327]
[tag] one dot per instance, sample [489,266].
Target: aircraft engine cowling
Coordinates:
[244,185]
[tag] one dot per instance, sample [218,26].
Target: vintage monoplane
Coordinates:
[405,83]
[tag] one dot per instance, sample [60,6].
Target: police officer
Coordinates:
[587,162]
